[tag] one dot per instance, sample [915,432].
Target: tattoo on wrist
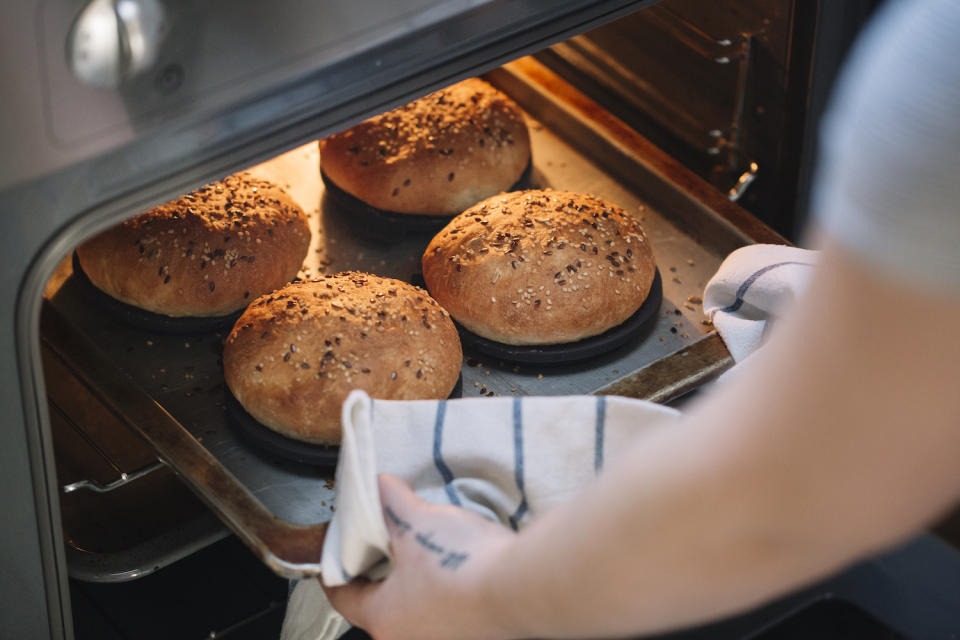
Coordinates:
[449,559]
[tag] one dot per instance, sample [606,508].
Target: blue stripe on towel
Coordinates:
[742,291]
[518,461]
[438,457]
[598,439]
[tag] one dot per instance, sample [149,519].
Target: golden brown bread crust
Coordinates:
[435,156]
[295,354]
[208,253]
[540,267]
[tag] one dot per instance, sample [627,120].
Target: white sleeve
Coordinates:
[888,179]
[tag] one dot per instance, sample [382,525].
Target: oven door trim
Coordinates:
[292,549]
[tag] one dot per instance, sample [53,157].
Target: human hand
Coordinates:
[440,585]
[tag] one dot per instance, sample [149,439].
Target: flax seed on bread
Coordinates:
[540,267]
[295,354]
[205,254]
[435,156]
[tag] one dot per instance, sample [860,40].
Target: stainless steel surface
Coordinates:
[151,555]
[669,378]
[170,387]
[115,40]
[336,60]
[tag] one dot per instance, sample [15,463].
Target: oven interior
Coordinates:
[694,117]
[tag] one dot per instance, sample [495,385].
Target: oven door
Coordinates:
[231,84]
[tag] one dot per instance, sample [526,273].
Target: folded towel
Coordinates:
[753,286]
[309,615]
[508,459]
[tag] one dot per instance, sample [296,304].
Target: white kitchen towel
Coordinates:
[309,615]
[753,286]
[508,459]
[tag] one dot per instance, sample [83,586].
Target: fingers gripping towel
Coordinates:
[504,458]
[508,459]
[751,288]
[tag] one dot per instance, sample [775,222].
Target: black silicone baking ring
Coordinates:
[147,320]
[268,441]
[572,351]
[388,224]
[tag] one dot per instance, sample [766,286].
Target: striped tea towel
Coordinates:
[751,288]
[507,459]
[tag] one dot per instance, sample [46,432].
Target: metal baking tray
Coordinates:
[169,388]
[124,513]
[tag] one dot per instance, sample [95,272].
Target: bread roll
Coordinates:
[295,354]
[206,254]
[435,156]
[540,267]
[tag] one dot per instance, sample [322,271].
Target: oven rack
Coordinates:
[99,486]
[106,473]
[169,389]
[123,479]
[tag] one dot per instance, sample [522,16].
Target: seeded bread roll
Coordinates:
[295,354]
[540,267]
[435,156]
[205,254]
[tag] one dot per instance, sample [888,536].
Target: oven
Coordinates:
[126,492]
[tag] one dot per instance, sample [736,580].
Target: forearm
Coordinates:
[782,476]
[695,542]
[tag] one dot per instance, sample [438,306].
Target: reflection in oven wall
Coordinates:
[733,90]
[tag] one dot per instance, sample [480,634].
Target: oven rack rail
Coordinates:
[123,477]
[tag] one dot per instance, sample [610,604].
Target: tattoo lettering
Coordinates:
[450,559]
[401,524]
[453,560]
[423,539]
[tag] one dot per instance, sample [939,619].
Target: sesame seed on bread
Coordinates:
[540,267]
[205,254]
[435,156]
[295,354]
